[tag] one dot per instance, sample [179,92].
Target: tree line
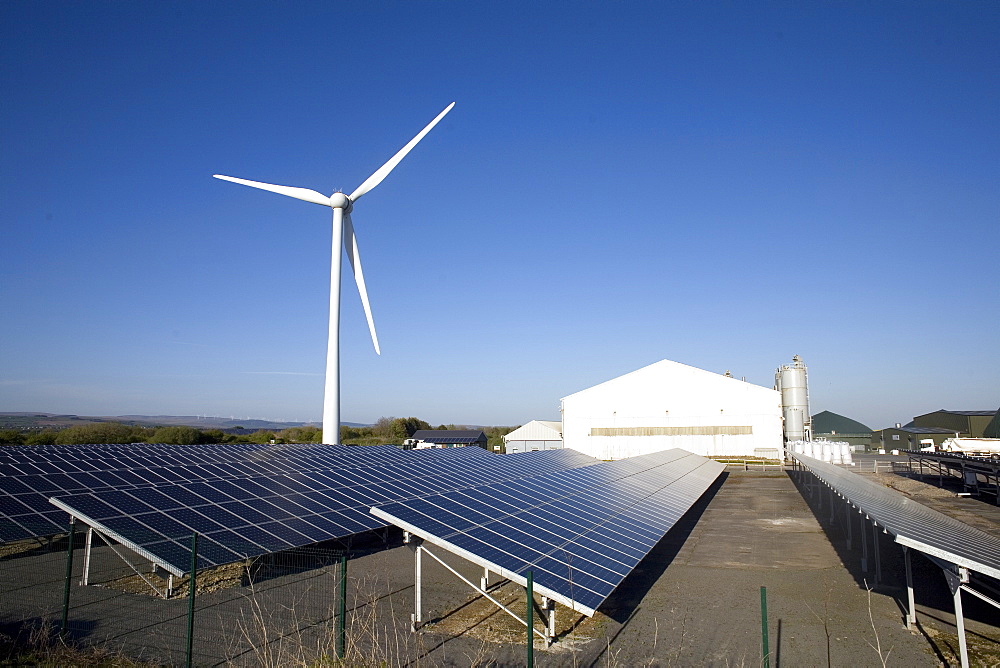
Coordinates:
[387,430]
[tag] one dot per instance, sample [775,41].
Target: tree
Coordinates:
[404,428]
[214,436]
[263,436]
[11,437]
[177,435]
[494,435]
[101,432]
[383,428]
[44,437]
[306,434]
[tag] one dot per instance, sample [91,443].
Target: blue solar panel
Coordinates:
[270,515]
[75,473]
[580,531]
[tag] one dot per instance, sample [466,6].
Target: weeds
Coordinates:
[884,658]
[44,647]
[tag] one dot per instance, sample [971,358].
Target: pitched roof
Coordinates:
[828,423]
[449,435]
[536,430]
[921,430]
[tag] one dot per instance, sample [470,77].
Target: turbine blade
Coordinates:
[354,257]
[298,193]
[384,170]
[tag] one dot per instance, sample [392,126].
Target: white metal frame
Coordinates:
[416,544]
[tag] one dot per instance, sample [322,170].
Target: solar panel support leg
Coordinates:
[484,583]
[550,621]
[849,521]
[418,550]
[955,584]
[878,557]
[86,556]
[911,615]
[833,517]
[864,548]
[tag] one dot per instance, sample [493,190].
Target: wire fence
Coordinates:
[279,609]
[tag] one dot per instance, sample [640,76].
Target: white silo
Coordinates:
[791,381]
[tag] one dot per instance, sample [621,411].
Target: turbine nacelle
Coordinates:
[340,201]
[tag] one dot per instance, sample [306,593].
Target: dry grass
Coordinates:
[42,646]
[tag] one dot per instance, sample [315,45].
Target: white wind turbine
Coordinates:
[343,232]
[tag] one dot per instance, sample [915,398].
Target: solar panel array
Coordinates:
[450,439]
[29,475]
[911,523]
[240,517]
[579,531]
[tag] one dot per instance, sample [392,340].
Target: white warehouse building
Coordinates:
[672,405]
[536,435]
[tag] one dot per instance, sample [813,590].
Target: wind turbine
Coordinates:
[343,233]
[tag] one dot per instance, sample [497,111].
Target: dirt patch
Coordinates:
[214,579]
[910,486]
[23,548]
[481,619]
[983,652]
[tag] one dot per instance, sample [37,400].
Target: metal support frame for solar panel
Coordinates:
[633,503]
[954,546]
[960,466]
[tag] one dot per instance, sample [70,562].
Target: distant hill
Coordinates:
[38,420]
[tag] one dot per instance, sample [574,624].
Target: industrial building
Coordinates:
[935,428]
[971,424]
[672,405]
[833,427]
[536,435]
[910,437]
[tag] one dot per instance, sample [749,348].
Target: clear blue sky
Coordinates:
[720,184]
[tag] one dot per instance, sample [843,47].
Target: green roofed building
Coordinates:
[971,424]
[992,430]
[835,427]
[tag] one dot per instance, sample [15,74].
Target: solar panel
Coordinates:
[911,523]
[245,517]
[26,513]
[579,531]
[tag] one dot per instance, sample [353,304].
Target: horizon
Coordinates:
[718,185]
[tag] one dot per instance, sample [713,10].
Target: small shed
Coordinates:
[536,435]
[447,438]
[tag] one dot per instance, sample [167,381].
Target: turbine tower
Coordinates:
[343,234]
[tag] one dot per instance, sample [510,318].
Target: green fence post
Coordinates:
[342,609]
[192,586]
[531,620]
[69,576]
[765,652]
